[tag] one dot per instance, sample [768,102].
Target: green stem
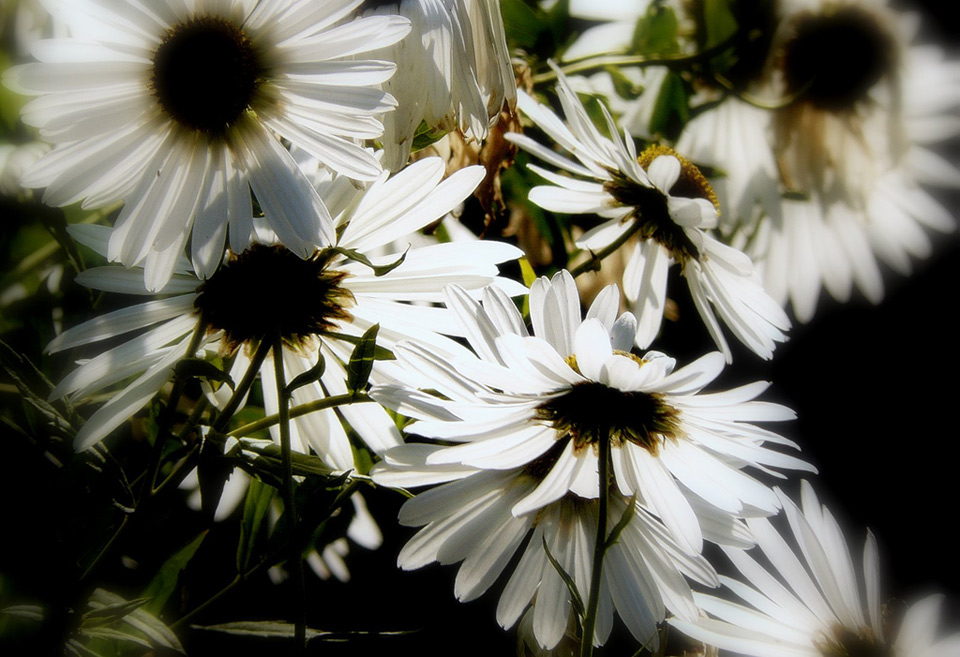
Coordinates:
[165,421]
[243,387]
[302,409]
[216,596]
[593,264]
[594,62]
[295,560]
[600,549]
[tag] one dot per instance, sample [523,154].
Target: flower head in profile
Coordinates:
[831,183]
[544,402]
[663,200]
[453,71]
[266,292]
[811,604]
[175,108]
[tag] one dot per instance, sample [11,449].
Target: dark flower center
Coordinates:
[834,59]
[592,411]
[845,642]
[651,204]
[267,290]
[206,72]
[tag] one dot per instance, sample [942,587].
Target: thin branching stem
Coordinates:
[595,62]
[243,387]
[301,409]
[165,421]
[294,561]
[597,257]
[600,548]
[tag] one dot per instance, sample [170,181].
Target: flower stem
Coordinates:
[596,257]
[595,62]
[295,561]
[600,548]
[244,386]
[301,409]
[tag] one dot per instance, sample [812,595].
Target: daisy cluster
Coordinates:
[285,263]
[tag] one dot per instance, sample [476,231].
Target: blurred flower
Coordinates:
[266,289]
[663,199]
[175,109]
[453,71]
[809,604]
[831,183]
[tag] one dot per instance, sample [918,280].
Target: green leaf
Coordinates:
[719,21]
[310,376]
[381,353]
[267,460]
[213,470]
[425,136]
[655,34]
[378,270]
[155,631]
[575,598]
[671,111]
[283,630]
[199,368]
[113,635]
[522,23]
[256,505]
[625,519]
[104,613]
[361,360]
[25,612]
[164,583]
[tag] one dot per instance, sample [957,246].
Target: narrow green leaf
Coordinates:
[113,635]
[381,353]
[575,598]
[155,631]
[256,505]
[164,583]
[104,613]
[378,270]
[283,630]
[202,369]
[361,360]
[625,519]
[25,612]
[310,376]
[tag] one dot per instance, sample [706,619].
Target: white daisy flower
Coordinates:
[663,199]
[470,518]
[453,71]
[268,288]
[546,401]
[811,603]
[175,107]
[850,156]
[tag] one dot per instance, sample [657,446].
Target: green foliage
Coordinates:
[655,34]
[253,526]
[361,360]
[164,583]
[672,109]
[575,598]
